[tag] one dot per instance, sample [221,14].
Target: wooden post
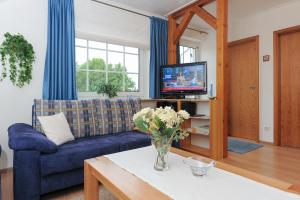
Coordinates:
[219,140]
[172,48]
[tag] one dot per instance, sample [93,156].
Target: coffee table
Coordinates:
[125,185]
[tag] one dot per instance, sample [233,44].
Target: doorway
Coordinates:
[243,82]
[287,87]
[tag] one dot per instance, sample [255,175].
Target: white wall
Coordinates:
[30,19]
[264,24]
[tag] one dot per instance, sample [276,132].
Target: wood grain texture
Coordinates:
[183,25]
[206,16]
[200,3]
[121,183]
[275,162]
[277,80]
[172,48]
[289,53]
[219,141]
[272,162]
[243,76]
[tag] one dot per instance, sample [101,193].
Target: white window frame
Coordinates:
[89,93]
[184,46]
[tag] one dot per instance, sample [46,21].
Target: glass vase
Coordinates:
[162,147]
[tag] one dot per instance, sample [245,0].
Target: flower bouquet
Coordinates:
[164,124]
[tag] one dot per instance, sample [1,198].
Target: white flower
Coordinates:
[183,114]
[145,114]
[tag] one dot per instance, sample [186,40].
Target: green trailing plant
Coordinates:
[20,56]
[109,89]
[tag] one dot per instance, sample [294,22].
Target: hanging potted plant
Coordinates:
[19,54]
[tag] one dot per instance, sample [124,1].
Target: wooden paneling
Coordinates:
[289,64]
[243,76]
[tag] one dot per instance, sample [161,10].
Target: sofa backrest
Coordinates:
[90,117]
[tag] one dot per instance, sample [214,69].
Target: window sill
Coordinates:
[92,95]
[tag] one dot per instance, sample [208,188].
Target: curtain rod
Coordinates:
[141,14]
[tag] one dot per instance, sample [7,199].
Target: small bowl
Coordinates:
[198,168]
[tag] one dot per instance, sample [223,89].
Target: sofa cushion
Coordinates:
[71,156]
[90,117]
[116,115]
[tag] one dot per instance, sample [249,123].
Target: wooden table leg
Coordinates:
[91,184]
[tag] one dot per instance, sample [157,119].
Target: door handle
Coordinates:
[252,88]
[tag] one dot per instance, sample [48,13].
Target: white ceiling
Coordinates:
[237,8]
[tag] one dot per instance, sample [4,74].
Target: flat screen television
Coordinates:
[184,79]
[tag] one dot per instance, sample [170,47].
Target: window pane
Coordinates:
[97,59]
[98,45]
[116,79]
[81,77]
[193,55]
[81,57]
[187,55]
[131,50]
[115,61]
[80,42]
[132,63]
[114,47]
[132,82]
[94,79]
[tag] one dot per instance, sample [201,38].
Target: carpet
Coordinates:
[241,147]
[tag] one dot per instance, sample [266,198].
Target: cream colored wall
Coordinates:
[30,19]
[264,24]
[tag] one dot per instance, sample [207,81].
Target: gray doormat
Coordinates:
[239,146]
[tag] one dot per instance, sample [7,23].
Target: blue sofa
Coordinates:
[99,126]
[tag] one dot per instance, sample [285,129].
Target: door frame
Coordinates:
[277,81]
[241,41]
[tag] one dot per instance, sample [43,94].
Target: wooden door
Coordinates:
[243,82]
[289,63]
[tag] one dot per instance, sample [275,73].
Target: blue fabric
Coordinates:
[241,147]
[60,72]
[27,182]
[60,181]
[90,147]
[24,137]
[36,168]
[158,53]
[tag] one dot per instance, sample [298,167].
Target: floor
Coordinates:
[277,162]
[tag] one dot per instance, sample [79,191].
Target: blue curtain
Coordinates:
[60,72]
[158,53]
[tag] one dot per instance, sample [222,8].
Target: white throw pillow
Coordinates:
[56,128]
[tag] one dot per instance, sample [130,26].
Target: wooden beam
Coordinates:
[172,48]
[182,11]
[219,141]
[182,26]
[206,16]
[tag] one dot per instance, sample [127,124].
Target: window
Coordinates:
[98,62]
[187,54]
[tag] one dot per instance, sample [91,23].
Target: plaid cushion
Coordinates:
[90,117]
[116,115]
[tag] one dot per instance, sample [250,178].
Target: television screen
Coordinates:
[188,78]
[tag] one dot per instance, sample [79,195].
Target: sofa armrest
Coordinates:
[24,137]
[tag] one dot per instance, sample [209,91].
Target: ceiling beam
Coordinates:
[206,16]
[183,25]
[182,11]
